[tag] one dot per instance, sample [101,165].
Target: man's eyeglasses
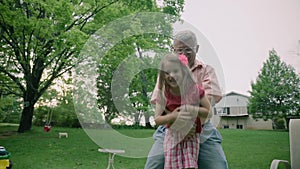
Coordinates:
[183,50]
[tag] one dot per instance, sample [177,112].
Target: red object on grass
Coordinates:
[47,128]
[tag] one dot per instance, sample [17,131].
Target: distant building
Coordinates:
[232,112]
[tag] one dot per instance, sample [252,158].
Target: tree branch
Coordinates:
[11,90]
[13,78]
[83,20]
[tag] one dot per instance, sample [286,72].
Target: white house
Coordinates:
[232,112]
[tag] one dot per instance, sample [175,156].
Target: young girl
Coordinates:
[177,91]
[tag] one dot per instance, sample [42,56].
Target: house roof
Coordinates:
[233,99]
[235,93]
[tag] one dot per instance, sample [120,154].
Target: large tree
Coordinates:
[39,40]
[146,34]
[276,91]
[140,89]
[140,69]
[130,66]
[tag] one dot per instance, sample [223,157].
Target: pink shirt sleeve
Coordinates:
[208,78]
[154,93]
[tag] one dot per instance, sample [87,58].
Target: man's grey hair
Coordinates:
[186,36]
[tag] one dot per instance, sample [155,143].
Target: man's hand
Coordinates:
[184,122]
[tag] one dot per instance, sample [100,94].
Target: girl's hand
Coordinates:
[183,121]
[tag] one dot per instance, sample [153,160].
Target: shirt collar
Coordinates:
[196,65]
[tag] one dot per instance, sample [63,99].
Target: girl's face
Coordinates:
[173,74]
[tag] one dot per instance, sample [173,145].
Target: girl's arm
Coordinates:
[160,119]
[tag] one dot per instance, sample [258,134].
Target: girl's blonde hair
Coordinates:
[188,81]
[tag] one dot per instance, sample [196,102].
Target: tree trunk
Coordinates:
[136,118]
[147,120]
[30,98]
[287,122]
[26,118]
[145,98]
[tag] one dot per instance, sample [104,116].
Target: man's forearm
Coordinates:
[198,111]
[211,99]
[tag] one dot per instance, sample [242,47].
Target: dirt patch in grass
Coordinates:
[7,134]
[7,131]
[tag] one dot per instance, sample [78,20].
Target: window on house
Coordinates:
[226,126]
[226,110]
[219,111]
[239,126]
[215,111]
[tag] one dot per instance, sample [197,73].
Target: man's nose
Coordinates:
[172,74]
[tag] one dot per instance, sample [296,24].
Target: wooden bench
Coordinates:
[61,134]
[112,153]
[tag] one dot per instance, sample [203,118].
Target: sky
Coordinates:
[242,32]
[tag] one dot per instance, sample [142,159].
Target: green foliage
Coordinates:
[39,41]
[279,123]
[62,115]
[9,109]
[173,7]
[5,103]
[141,88]
[125,55]
[134,75]
[276,92]
[56,109]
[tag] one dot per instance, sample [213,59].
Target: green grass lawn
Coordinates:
[244,149]
[252,149]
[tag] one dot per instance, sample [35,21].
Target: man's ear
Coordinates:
[197,48]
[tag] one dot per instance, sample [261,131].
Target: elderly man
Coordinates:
[211,155]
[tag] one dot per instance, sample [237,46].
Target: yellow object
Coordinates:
[4,163]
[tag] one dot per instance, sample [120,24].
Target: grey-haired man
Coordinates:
[211,155]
